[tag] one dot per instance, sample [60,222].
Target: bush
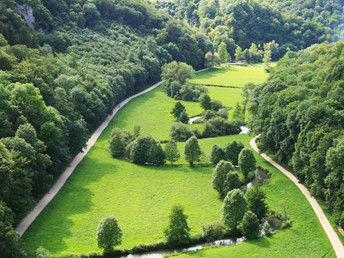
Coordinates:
[267,229]
[180,132]
[219,127]
[222,113]
[250,225]
[43,253]
[213,231]
[216,105]
[209,114]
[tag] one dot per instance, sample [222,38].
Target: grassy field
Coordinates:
[140,197]
[234,76]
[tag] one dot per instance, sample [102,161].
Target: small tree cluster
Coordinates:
[208,104]
[179,112]
[230,152]
[145,150]
[119,140]
[180,132]
[224,178]
[238,212]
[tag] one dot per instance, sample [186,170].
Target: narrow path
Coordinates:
[27,221]
[331,234]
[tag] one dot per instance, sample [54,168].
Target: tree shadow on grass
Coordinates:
[263,242]
[52,226]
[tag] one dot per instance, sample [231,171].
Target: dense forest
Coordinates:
[299,112]
[64,65]
[294,25]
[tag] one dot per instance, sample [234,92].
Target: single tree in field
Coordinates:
[256,201]
[232,182]
[223,53]
[205,101]
[232,151]
[178,109]
[233,209]
[219,176]
[109,234]
[250,225]
[177,231]
[192,151]
[247,161]
[171,151]
[216,154]
[183,117]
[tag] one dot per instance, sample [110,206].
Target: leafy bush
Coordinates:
[219,127]
[213,231]
[180,132]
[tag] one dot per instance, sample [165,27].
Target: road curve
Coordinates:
[331,234]
[27,221]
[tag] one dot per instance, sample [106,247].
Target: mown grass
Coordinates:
[140,197]
[233,75]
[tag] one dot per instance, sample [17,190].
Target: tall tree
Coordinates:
[247,161]
[223,53]
[171,151]
[177,231]
[256,201]
[192,151]
[233,209]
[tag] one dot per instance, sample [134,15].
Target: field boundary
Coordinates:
[215,85]
[331,234]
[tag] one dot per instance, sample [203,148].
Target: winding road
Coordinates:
[331,234]
[27,221]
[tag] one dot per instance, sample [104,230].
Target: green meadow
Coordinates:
[232,75]
[140,197]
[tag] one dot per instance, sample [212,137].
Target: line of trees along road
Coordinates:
[300,113]
[56,87]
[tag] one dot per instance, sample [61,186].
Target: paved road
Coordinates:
[26,222]
[331,234]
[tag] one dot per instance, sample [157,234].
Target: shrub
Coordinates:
[180,132]
[43,253]
[177,231]
[222,113]
[216,105]
[219,127]
[195,131]
[250,225]
[267,229]
[109,234]
[216,154]
[213,231]
[209,114]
